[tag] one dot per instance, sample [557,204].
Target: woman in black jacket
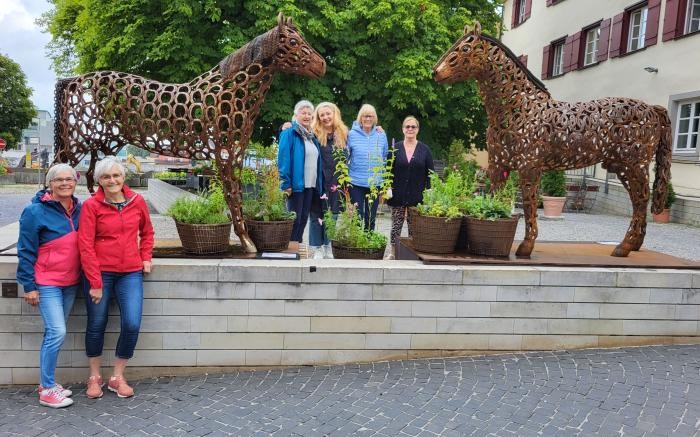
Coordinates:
[413,163]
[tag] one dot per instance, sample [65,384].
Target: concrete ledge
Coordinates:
[217,314]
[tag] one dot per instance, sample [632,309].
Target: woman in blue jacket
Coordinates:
[49,270]
[368,149]
[299,162]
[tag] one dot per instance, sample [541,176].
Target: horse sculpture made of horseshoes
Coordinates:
[531,132]
[210,117]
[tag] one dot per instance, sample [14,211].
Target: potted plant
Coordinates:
[665,215]
[491,225]
[553,188]
[349,238]
[435,222]
[267,219]
[203,226]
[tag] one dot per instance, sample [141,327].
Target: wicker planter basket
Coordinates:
[343,252]
[270,236]
[491,237]
[433,234]
[204,239]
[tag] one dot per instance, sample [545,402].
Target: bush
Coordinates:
[443,198]
[206,209]
[553,183]
[488,207]
[670,196]
[268,203]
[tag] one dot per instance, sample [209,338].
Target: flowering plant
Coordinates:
[347,228]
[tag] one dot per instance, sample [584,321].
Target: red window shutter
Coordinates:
[528,9]
[604,40]
[673,20]
[576,52]
[514,17]
[546,62]
[616,35]
[568,51]
[652,31]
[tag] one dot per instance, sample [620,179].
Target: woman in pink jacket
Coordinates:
[116,244]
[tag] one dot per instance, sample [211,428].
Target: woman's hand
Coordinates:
[380,129]
[32,298]
[288,191]
[147,266]
[96,295]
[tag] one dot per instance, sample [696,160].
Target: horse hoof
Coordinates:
[620,251]
[524,250]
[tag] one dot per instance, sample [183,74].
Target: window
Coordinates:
[521,12]
[591,53]
[688,127]
[693,16]
[558,59]
[637,29]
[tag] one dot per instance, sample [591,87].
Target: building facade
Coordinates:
[590,49]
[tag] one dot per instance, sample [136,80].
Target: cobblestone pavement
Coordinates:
[646,391]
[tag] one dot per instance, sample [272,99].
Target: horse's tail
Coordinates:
[59,155]
[663,161]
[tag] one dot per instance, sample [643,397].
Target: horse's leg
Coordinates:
[528,186]
[636,182]
[233,196]
[90,175]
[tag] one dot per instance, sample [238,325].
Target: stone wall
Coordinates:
[200,314]
[161,194]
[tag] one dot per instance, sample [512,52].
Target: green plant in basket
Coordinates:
[488,207]
[207,209]
[443,198]
[347,229]
[268,203]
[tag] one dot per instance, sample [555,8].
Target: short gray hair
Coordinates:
[106,164]
[59,168]
[301,104]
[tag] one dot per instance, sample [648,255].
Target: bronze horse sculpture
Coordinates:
[210,117]
[531,132]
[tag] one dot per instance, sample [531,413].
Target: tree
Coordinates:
[16,109]
[379,52]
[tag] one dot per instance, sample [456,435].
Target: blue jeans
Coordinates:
[127,288]
[317,231]
[300,203]
[368,212]
[55,304]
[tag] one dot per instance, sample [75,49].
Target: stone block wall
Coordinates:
[200,314]
[161,194]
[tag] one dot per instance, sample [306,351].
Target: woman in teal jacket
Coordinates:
[299,162]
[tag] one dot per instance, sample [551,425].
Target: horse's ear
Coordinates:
[280,20]
[467,29]
[289,22]
[477,28]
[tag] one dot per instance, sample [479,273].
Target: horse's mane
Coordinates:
[260,48]
[538,83]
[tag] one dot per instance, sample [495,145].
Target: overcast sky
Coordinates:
[22,41]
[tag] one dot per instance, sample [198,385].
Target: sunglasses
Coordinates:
[410,126]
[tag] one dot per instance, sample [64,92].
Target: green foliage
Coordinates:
[267,203]
[206,209]
[202,168]
[248,176]
[170,175]
[381,52]
[348,228]
[3,167]
[553,183]
[16,109]
[488,207]
[461,159]
[670,196]
[443,198]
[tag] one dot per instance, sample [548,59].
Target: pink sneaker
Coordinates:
[64,391]
[94,387]
[52,397]
[118,385]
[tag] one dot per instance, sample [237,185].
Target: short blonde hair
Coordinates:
[339,129]
[106,164]
[367,109]
[59,168]
[410,117]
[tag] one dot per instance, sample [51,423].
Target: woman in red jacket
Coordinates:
[116,243]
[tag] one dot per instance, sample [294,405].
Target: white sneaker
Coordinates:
[327,251]
[317,251]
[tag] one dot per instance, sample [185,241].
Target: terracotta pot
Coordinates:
[553,206]
[663,217]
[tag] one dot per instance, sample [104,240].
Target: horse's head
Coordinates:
[463,59]
[281,48]
[294,55]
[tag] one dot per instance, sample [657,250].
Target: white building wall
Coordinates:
[678,62]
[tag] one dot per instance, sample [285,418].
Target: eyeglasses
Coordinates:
[410,126]
[64,180]
[106,177]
